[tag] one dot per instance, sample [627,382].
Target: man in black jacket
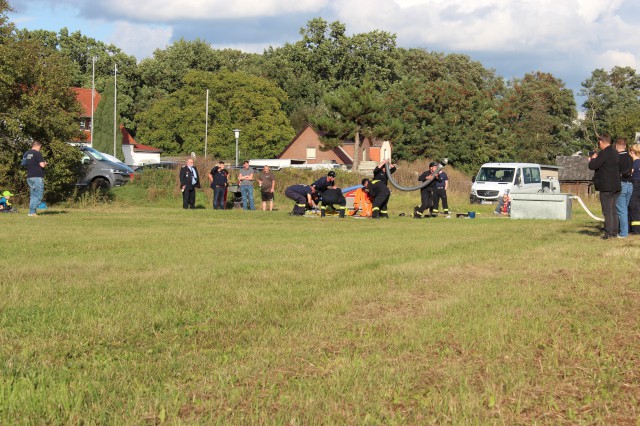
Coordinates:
[189,181]
[426,193]
[607,181]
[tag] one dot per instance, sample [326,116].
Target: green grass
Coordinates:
[139,312]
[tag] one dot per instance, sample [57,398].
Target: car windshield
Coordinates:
[495,174]
[95,154]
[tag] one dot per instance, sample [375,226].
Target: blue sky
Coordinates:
[568,38]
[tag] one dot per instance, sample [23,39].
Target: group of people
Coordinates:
[219,182]
[617,178]
[325,193]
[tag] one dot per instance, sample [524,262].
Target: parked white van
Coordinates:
[495,179]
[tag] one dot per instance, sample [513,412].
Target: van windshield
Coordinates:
[495,174]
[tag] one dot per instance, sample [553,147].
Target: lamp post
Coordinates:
[236,132]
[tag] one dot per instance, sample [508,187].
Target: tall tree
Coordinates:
[612,103]
[325,59]
[80,50]
[103,124]
[355,113]
[236,100]
[35,103]
[538,112]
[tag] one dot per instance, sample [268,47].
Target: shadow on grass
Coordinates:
[51,213]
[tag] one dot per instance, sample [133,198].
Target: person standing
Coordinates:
[635,195]
[625,164]
[427,192]
[378,190]
[267,182]
[35,176]
[606,180]
[246,186]
[442,184]
[218,177]
[189,181]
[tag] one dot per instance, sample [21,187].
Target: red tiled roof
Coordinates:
[84,97]
[127,139]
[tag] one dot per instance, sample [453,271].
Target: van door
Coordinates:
[531,180]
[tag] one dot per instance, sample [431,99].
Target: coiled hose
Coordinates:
[422,185]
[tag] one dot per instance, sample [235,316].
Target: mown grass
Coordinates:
[139,312]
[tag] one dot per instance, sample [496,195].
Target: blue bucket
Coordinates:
[472,215]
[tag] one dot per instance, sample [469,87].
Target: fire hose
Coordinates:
[575,197]
[422,185]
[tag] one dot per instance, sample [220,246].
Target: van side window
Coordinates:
[531,175]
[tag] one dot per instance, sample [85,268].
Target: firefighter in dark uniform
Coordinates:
[303,195]
[378,191]
[332,197]
[442,184]
[324,183]
[426,193]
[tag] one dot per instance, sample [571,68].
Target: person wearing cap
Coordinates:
[324,183]
[303,195]
[35,176]
[426,193]
[378,190]
[440,193]
[5,203]
[219,180]
[332,197]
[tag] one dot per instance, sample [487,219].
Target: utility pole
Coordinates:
[206,124]
[93,91]
[115,97]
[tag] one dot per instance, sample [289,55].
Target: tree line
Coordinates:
[350,87]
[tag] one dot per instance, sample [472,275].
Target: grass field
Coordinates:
[134,313]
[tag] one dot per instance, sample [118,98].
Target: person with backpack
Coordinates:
[35,165]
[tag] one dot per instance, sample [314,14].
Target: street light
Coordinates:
[236,132]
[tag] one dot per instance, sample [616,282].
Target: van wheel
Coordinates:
[100,184]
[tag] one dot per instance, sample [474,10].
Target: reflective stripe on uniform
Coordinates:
[376,208]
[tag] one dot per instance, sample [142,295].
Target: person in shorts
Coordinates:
[267,182]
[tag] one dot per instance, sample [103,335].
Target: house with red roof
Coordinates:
[307,147]
[135,153]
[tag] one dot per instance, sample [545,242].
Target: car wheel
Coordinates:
[100,184]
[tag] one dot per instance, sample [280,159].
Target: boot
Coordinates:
[341,214]
[375,214]
[323,212]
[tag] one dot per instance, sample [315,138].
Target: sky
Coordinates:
[567,38]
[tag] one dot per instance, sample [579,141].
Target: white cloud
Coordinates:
[167,10]
[484,25]
[140,40]
[245,47]
[612,58]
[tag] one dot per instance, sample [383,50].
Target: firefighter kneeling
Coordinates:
[303,196]
[332,197]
